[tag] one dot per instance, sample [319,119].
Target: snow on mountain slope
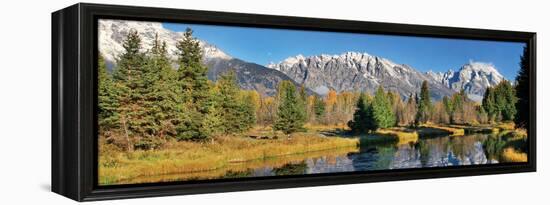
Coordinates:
[352,71]
[113,32]
[250,76]
[473,77]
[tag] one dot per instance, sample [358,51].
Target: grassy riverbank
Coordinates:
[184,160]
[116,165]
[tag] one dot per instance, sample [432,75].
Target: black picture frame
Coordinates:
[74,81]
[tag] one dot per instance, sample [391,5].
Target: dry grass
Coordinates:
[116,166]
[236,168]
[433,130]
[506,126]
[319,127]
[516,134]
[403,135]
[511,155]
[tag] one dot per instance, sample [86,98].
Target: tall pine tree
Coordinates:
[488,104]
[506,100]
[247,109]
[133,89]
[424,104]
[363,120]
[382,109]
[236,111]
[522,91]
[193,82]
[318,107]
[108,115]
[500,102]
[449,108]
[291,114]
[164,95]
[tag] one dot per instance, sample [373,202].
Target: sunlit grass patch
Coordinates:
[403,135]
[321,127]
[516,134]
[434,130]
[506,126]
[176,157]
[511,155]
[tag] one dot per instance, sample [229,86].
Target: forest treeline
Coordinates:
[147,99]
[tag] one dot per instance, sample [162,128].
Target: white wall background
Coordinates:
[25,102]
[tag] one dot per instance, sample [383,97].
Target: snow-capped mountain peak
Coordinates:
[473,77]
[113,32]
[348,71]
[250,76]
[353,71]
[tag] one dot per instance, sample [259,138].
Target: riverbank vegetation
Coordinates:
[220,153]
[160,117]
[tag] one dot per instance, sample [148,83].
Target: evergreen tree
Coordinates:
[363,120]
[506,100]
[133,89]
[192,74]
[108,115]
[424,104]
[458,100]
[302,99]
[488,104]
[382,109]
[500,102]
[247,110]
[235,107]
[193,82]
[164,94]
[522,91]
[290,112]
[449,108]
[214,120]
[318,107]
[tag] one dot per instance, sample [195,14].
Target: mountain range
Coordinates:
[350,71]
[250,76]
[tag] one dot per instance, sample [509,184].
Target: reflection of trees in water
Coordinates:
[436,152]
[493,147]
[374,157]
[291,169]
[468,150]
[462,146]
[385,157]
[433,151]
[406,156]
[424,150]
[427,152]
[329,164]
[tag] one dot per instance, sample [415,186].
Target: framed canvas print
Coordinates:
[154,102]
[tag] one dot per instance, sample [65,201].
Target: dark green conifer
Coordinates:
[290,112]
[382,109]
[363,120]
[522,91]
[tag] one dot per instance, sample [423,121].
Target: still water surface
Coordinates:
[427,152]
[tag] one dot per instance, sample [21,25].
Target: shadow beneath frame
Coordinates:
[45,187]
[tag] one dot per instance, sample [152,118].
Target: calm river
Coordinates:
[426,152]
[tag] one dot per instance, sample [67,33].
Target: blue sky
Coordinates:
[262,46]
